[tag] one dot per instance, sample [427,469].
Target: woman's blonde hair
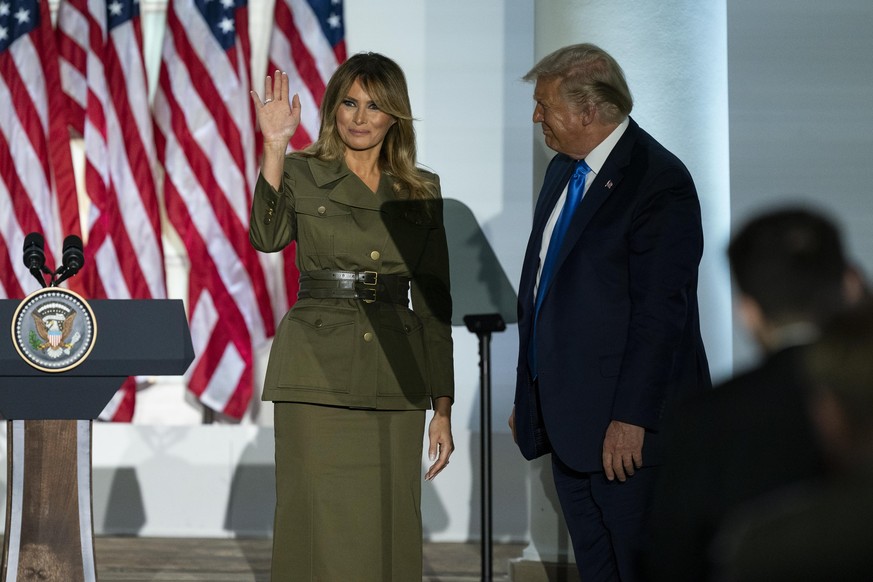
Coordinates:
[384,82]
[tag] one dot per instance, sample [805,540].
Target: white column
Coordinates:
[674,55]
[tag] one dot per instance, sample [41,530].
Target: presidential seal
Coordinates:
[54,329]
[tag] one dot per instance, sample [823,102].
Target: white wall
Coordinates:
[801,89]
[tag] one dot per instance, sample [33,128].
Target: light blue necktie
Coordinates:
[575,189]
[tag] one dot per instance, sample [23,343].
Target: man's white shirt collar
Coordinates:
[598,155]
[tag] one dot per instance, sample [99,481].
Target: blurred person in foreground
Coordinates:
[353,366]
[609,332]
[752,434]
[824,531]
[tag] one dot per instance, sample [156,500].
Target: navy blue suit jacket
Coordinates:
[618,333]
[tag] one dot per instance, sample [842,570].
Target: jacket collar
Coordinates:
[347,188]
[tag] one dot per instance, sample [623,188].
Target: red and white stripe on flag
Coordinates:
[37,185]
[204,129]
[308,43]
[103,75]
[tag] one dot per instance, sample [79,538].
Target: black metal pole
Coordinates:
[483,325]
[485,428]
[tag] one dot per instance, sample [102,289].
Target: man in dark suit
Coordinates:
[821,531]
[608,317]
[752,435]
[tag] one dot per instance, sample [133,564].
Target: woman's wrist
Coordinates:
[442,406]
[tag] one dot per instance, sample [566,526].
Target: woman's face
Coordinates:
[362,126]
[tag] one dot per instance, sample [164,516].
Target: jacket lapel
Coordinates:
[556,178]
[606,182]
[554,183]
[348,189]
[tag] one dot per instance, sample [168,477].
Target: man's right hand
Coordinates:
[622,450]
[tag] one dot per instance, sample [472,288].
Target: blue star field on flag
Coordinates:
[17,18]
[329,13]
[120,11]
[221,17]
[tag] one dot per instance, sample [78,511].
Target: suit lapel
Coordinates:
[606,182]
[556,178]
[554,183]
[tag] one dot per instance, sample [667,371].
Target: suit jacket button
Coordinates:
[368,337]
[375,255]
[319,323]
[267,220]
[322,209]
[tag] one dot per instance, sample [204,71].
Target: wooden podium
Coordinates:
[49,522]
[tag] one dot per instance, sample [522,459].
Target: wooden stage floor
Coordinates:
[128,559]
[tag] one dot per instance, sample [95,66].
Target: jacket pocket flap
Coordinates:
[319,318]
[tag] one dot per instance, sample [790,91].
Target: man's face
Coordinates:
[565,129]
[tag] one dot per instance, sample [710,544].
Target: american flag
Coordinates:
[308,43]
[205,140]
[103,74]
[37,185]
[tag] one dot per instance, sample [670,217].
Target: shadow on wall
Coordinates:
[434,517]
[252,497]
[509,495]
[481,286]
[479,283]
[124,512]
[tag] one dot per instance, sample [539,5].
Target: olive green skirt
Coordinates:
[348,491]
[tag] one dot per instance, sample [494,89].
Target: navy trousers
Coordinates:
[607,521]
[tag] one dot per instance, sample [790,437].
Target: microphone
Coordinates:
[34,256]
[72,259]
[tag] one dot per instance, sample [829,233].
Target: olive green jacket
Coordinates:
[345,352]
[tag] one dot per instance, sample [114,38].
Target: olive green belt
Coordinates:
[368,286]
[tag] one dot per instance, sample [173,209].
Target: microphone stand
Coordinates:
[483,326]
[37,273]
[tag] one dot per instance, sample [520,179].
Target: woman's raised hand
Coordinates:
[278,117]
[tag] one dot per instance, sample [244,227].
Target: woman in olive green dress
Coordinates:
[354,365]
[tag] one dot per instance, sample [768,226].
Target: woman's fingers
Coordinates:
[283,85]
